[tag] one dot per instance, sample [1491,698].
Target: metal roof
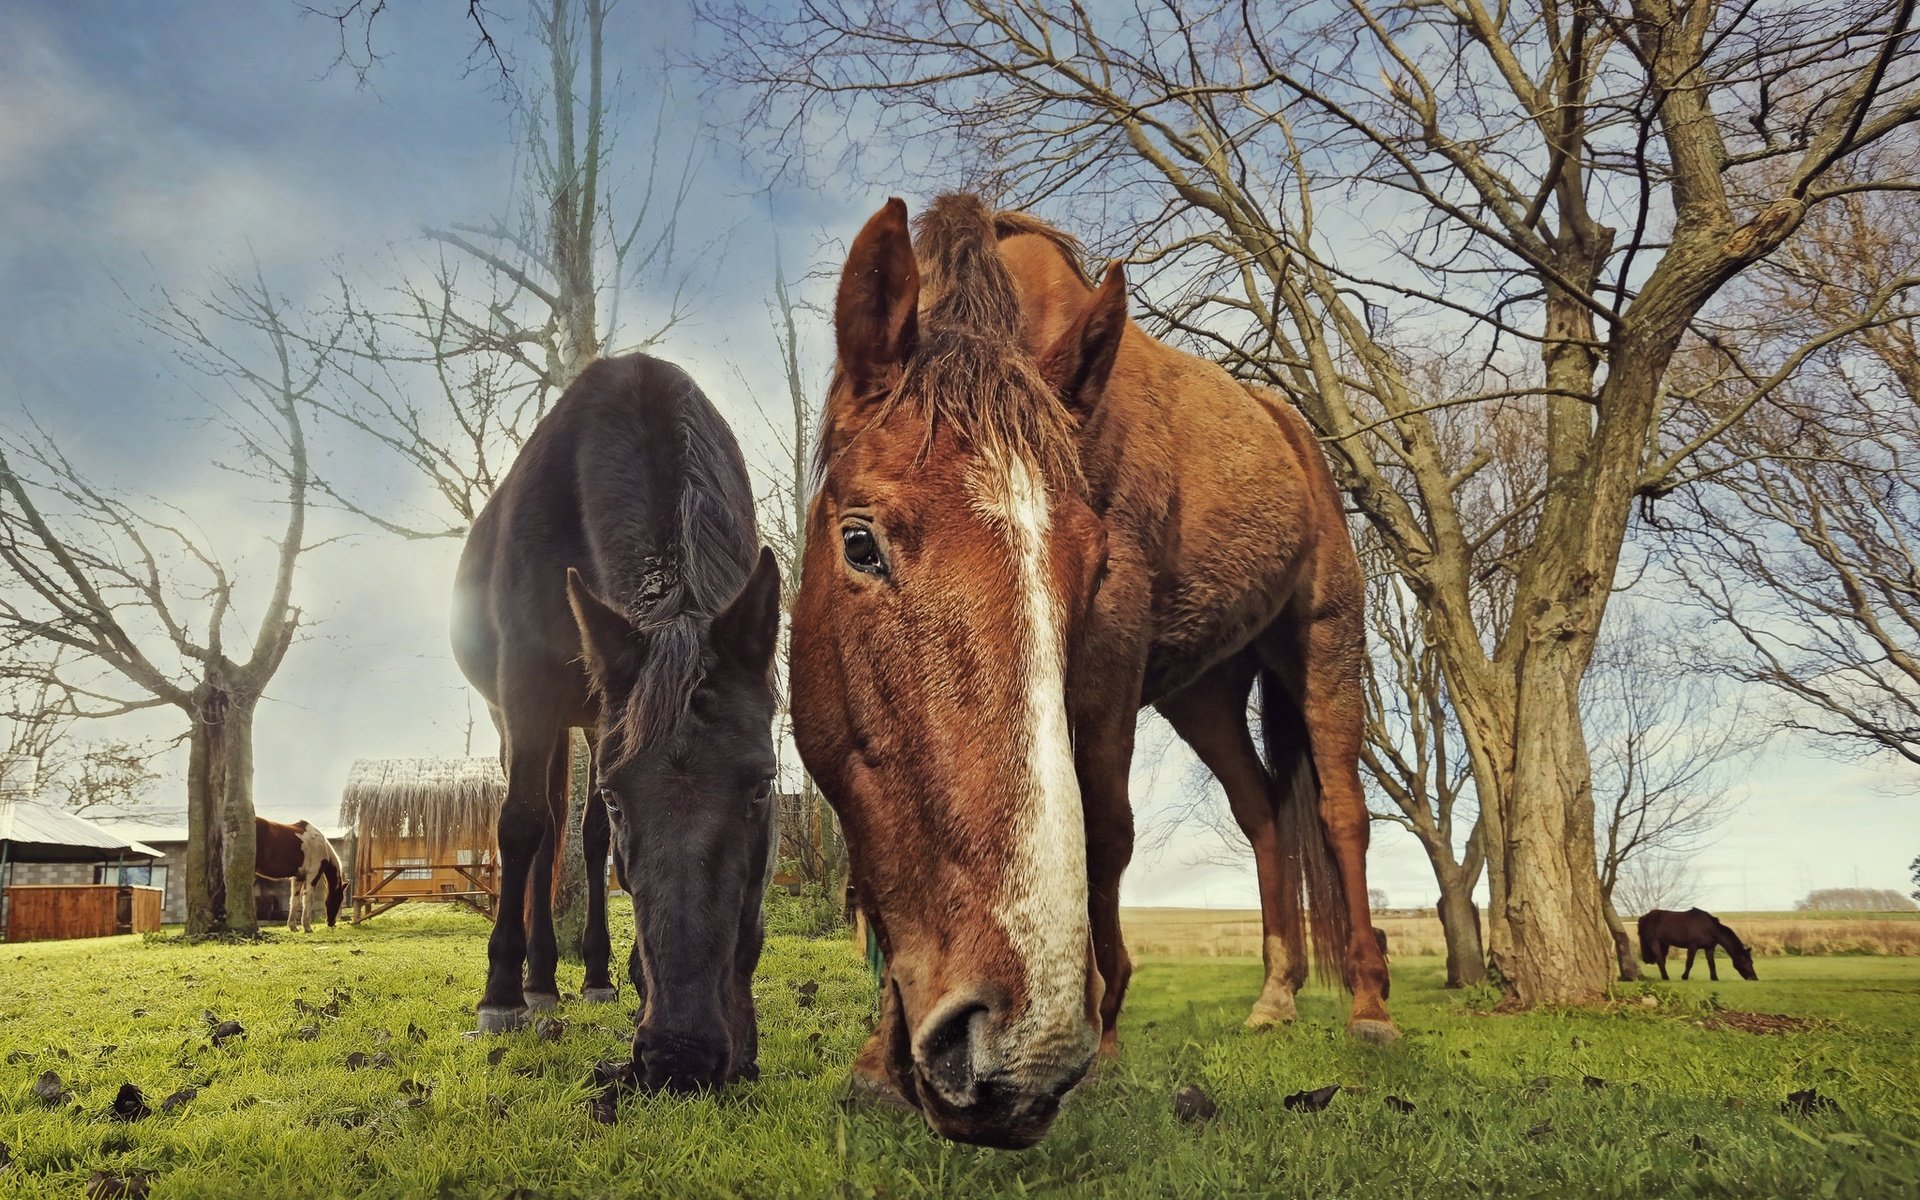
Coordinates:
[34,832]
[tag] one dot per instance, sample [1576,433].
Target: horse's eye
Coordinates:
[611,801]
[862,549]
[763,793]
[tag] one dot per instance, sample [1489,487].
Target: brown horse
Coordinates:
[301,853]
[1032,519]
[1694,930]
[615,582]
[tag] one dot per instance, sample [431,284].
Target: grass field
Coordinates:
[1681,1101]
[1222,932]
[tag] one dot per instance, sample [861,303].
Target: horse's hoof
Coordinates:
[1378,1032]
[600,995]
[542,1001]
[1266,1016]
[501,1020]
[865,1089]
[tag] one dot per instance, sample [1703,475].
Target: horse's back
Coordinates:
[1253,524]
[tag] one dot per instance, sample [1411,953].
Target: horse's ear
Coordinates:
[747,630]
[876,314]
[1078,364]
[609,643]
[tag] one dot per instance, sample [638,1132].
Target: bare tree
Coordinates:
[1663,739]
[355,23]
[142,611]
[1554,191]
[1854,899]
[448,373]
[1803,536]
[35,709]
[108,777]
[1415,762]
[1651,881]
[789,420]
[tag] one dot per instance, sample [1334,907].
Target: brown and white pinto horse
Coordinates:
[1032,519]
[301,853]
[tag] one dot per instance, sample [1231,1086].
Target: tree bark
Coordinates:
[220,835]
[570,872]
[1460,924]
[206,787]
[1623,947]
[236,817]
[1555,949]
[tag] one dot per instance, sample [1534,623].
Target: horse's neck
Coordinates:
[1724,938]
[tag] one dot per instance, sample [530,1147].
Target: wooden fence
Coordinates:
[52,912]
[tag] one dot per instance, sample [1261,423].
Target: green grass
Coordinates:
[1501,1107]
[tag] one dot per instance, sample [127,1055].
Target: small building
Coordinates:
[422,829]
[46,857]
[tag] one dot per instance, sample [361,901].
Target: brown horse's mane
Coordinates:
[1009,224]
[968,368]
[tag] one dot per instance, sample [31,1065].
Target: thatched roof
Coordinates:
[451,802]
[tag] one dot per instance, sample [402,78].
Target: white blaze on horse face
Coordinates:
[1043,901]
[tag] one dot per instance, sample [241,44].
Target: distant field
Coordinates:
[1235,933]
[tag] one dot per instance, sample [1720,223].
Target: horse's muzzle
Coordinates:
[961,1079]
[681,1063]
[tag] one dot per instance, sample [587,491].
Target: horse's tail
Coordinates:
[1304,852]
[1646,941]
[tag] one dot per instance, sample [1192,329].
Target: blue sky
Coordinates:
[144,146]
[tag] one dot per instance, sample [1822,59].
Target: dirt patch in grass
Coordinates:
[1764,1024]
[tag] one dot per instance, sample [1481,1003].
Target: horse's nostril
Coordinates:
[947,1051]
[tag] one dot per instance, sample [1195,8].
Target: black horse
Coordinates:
[1694,930]
[612,584]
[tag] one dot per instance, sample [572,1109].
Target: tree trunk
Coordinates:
[570,872]
[206,787]
[220,842]
[1623,947]
[1555,949]
[236,818]
[1460,923]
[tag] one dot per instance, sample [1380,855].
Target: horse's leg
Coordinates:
[293,901]
[1210,715]
[1109,817]
[525,754]
[1331,665]
[543,949]
[1713,971]
[1660,949]
[1688,973]
[870,1077]
[595,835]
[1103,728]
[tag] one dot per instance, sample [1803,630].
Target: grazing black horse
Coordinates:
[612,584]
[1694,930]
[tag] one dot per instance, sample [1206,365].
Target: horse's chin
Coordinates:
[1016,1125]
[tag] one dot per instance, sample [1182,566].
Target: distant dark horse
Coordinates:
[1693,930]
[611,584]
[299,852]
